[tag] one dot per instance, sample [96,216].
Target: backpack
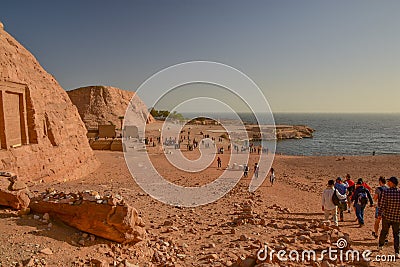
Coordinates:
[335,199]
[363,198]
[381,189]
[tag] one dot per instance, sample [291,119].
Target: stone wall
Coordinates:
[41,133]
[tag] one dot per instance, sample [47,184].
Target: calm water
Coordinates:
[342,134]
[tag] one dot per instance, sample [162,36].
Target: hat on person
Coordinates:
[339,179]
[394,180]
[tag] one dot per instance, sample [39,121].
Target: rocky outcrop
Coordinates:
[13,193]
[105,216]
[279,132]
[293,132]
[99,105]
[41,133]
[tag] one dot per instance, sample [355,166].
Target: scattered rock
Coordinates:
[168,223]
[99,263]
[18,185]
[23,212]
[324,238]
[248,262]
[46,217]
[181,256]
[46,251]
[30,262]
[17,199]
[212,256]
[326,264]
[211,245]
[126,263]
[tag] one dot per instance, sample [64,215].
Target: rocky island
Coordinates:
[293,132]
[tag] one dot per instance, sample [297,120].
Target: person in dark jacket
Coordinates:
[360,198]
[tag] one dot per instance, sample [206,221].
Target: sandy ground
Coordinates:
[207,235]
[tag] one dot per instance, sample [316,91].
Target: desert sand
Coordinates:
[286,215]
[44,142]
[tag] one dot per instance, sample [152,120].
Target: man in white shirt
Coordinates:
[328,206]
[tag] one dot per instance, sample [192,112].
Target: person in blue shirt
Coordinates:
[360,199]
[342,189]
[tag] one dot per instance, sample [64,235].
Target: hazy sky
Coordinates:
[306,56]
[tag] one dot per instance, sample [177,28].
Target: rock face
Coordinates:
[105,216]
[280,132]
[293,132]
[13,193]
[104,105]
[41,133]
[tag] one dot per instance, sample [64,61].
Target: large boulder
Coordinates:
[105,216]
[13,192]
[41,133]
[99,105]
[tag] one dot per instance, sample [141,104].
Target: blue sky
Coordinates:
[306,56]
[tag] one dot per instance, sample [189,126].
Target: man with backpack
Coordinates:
[341,188]
[328,207]
[364,184]
[377,199]
[360,199]
[389,211]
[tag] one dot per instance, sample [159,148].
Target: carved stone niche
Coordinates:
[16,125]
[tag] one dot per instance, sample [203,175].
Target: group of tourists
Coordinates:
[341,195]
[256,170]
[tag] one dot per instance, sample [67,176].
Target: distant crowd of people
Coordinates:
[341,195]
[256,170]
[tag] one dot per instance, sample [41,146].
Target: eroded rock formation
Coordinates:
[99,105]
[105,216]
[293,132]
[41,133]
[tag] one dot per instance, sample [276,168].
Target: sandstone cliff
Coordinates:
[41,133]
[105,104]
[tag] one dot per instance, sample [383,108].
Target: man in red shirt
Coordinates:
[364,184]
[351,186]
